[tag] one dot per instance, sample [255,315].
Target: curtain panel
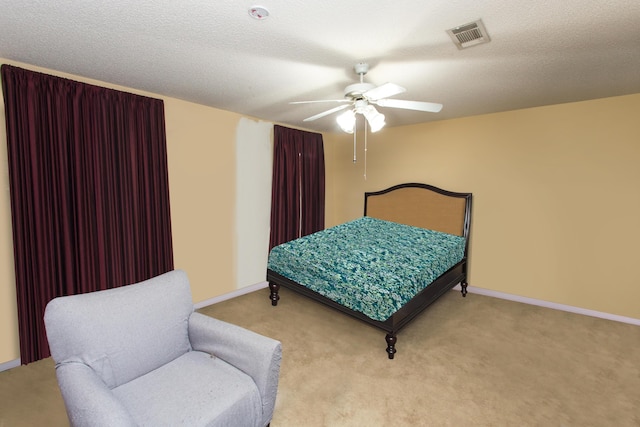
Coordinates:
[298,185]
[89,192]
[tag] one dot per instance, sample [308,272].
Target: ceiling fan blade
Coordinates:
[322,100]
[326,113]
[430,107]
[384,91]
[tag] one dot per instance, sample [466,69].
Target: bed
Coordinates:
[409,248]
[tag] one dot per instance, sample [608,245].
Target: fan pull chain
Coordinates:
[365,150]
[355,131]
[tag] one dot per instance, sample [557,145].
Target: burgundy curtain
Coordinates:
[89,192]
[298,187]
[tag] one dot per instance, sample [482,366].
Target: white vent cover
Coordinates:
[470,34]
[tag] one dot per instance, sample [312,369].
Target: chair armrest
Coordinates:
[88,400]
[256,355]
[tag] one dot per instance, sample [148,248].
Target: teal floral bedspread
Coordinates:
[368,265]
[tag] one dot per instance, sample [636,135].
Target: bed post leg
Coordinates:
[274,297]
[391,344]
[463,288]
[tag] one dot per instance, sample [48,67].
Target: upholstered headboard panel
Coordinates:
[423,206]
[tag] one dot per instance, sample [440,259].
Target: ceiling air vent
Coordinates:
[470,34]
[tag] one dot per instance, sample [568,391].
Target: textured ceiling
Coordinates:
[213,53]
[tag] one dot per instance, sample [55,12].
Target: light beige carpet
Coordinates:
[475,361]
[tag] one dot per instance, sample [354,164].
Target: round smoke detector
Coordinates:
[258,12]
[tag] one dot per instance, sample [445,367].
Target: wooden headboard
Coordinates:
[422,205]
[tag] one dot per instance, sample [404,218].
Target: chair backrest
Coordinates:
[125,332]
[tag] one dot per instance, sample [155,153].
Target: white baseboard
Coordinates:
[553,305]
[471,289]
[236,293]
[15,363]
[9,365]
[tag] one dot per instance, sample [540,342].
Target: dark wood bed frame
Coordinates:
[420,205]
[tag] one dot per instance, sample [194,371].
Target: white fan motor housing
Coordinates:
[356,90]
[361,68]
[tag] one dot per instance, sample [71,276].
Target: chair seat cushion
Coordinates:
[195,389]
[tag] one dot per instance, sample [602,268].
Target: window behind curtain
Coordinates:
[298,186]
[89,192]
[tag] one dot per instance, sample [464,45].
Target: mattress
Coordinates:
[368,265]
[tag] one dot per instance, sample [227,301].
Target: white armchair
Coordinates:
[139,355]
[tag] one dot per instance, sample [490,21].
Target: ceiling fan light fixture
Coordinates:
[376,123]
[360,98]
[347,121]
[375,119]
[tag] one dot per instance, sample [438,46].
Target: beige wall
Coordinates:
[556,195]
[201,156]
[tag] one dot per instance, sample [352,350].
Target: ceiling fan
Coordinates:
[361,98]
